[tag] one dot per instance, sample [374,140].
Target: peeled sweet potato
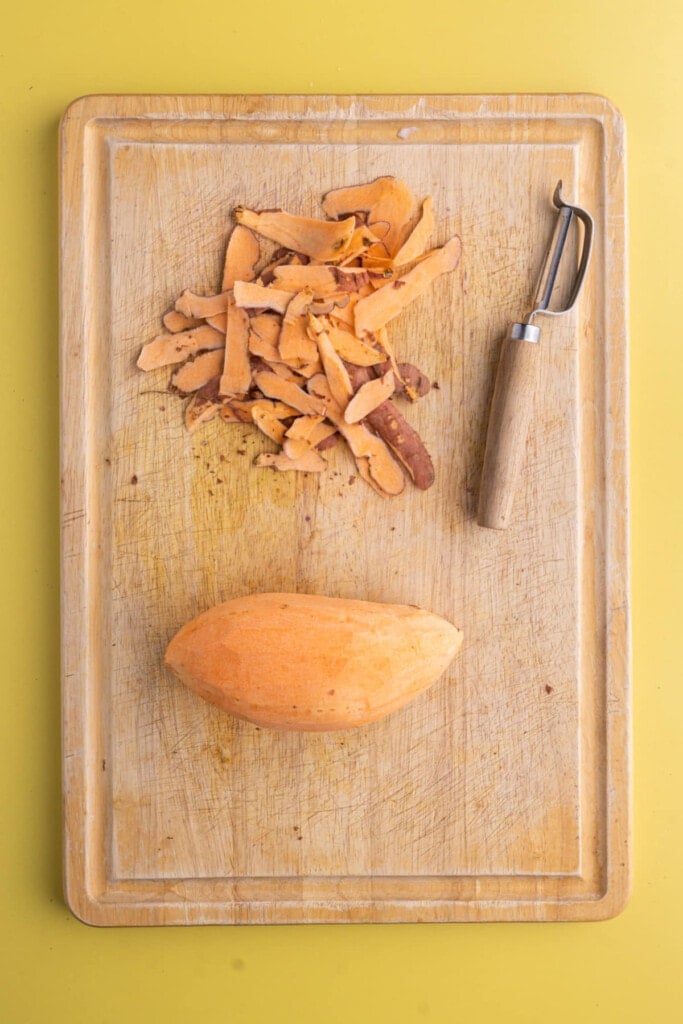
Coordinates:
[307,663]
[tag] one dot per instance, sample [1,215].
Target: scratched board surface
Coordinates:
[486,797]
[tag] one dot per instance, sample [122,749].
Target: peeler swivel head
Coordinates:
[567,212]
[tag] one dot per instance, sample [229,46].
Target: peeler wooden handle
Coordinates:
[518,370]
[509,417]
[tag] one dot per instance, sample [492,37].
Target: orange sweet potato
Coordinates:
[308,663]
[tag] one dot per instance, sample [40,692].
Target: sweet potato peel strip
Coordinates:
[294,339]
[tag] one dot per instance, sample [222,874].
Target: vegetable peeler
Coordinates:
[517,374]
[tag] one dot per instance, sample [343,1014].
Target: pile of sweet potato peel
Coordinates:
[299,346]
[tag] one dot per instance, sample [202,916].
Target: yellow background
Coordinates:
[54,969]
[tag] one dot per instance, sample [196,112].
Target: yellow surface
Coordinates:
[55,969]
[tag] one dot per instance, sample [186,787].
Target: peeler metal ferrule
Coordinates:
[517,375]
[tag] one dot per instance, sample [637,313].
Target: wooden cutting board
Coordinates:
[502,793]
